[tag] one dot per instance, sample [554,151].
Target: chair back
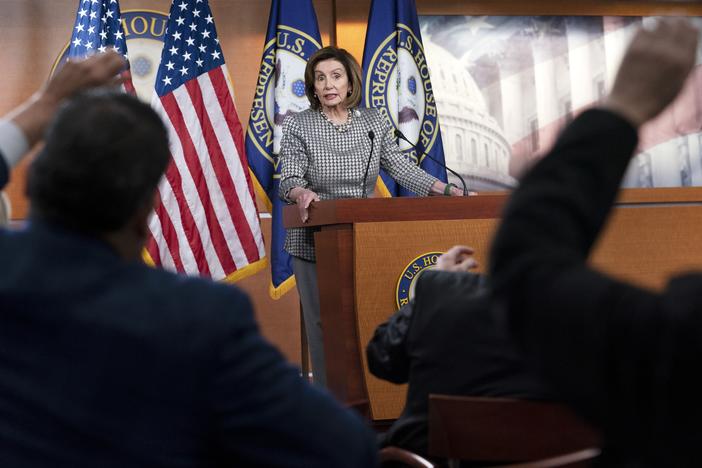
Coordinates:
[396,456]
[580,459]
[504,430]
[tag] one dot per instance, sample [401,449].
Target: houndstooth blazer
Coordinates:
[331,160]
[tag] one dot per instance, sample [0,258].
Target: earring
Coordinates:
[348,93]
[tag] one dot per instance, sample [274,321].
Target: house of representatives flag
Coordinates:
[205,221]
[293,35]
[396,82]
[97,28]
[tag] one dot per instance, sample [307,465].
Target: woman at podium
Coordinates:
[335,150]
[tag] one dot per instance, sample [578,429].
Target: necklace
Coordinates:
[342,127]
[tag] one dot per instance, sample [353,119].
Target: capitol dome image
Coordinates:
[474,143]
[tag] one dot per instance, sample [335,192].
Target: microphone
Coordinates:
[398,134]
[371,135]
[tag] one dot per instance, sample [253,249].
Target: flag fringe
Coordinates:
[147,258]
[276,292]
[380,187]
[284,288]
[258,188]
[248,270]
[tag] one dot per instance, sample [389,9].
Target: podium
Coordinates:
[364,245]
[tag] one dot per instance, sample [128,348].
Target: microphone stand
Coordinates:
[371,136]
[401,136]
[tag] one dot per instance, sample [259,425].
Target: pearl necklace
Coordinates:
[342,127]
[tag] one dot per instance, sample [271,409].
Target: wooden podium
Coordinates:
[364,245]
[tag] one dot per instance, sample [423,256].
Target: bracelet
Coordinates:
[447,189]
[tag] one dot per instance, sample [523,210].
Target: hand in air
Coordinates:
[653,70]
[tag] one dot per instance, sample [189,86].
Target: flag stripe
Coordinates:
[195,195]
[175,199]
[180,208]
[152,245]
[230,176]
[199,162]
[225,96]
[220,86]
[185,225]
[168,254]
[177,241]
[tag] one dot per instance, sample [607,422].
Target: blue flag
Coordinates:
[293,35]
[396,82]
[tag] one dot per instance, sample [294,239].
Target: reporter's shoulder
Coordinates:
[683,293]
[199,296]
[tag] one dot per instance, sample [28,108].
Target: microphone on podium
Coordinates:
[371,136]
[401,136]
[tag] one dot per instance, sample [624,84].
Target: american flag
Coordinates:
[97,28]
[205,221]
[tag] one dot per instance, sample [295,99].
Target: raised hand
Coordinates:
[653,70]
[33,116]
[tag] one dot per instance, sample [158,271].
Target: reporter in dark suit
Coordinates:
[105,362]
[626,358]
[448,340]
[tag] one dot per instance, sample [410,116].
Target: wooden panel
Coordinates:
[660,195]
[383,250]
[646,244]
[338,313]
[351,210]
[484,205]
[642,243]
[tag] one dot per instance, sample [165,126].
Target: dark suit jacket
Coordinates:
[628,359]
[105,363]
[449,342]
